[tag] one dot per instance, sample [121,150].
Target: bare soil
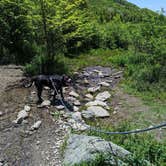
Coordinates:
[18,146]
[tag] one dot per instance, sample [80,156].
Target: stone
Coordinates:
[98,111]
[1,113]
[46,103]
[77,116]
[85,81]
[97,102]
[89,96]
[75,109]
[93,89]
[103,96]
[36,125]
[22,115]
[74,94]
[104,84]
[85,148]
[27,108]
[60,107]
[87,114]
[77,103]
[72,99]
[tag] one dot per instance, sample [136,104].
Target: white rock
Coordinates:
[100,74]
[60,107]
[98,111]
[77,116]
[46,103]
[71,121]
[97,102]
[103,96]
[87,114]
[86,81]
[72,99]
[36,125]
[74,94]
[1,113]
[104,84]
[27,108]
[75,108]
[89,96]
[22,114]
[77,103]
[94,89]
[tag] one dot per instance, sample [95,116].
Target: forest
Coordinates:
[37,33]
[64,36]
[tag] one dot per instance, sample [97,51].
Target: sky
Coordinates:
[151,4]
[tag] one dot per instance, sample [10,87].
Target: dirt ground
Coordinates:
[18,147]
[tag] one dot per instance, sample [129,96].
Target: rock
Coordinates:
[77,116]
[79,126]
[27,108]
[74,94]
[1,113]
[22,115]
[85,148]
[60,107]
[46,103]
[85,81]
[93,89]
[36,125]
[104,84]
[77,103]
[87,114]
[103,96]
[101,74]
[72,99]
[97,102]
[75,109]
[89,96]
[98,111]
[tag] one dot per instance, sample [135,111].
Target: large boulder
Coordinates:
[98,111]
[85,148]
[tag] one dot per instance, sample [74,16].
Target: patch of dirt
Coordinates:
[18,146]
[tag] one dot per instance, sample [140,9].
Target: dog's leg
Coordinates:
[39,93]
[61,92]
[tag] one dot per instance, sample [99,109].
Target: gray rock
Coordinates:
[104,84]
[86,148]
[89,96]
[87,114]
[77,103]
[74,94]
[97,102]
[98,111]
[103,96]
[77,116]
[46,103]
[36,125]
[93,89]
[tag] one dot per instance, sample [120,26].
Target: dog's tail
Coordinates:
[28,82]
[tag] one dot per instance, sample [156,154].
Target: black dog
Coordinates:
[54,82]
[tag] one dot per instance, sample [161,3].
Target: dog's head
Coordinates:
[66,80]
